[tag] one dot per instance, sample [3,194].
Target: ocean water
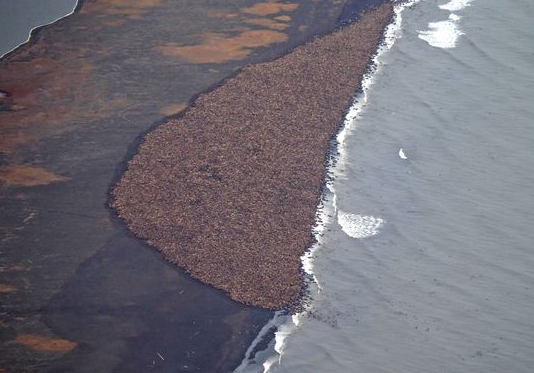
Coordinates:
[17,17]
[425,260]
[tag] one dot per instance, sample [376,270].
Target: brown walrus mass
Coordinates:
[229,190]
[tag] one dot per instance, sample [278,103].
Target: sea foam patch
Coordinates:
[455,5]
[442,34]
[359,226]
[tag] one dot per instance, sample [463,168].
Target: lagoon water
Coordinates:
[426,261]
[17,17]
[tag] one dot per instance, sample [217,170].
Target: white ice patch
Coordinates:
[443,34]
[455,5]
[359,226]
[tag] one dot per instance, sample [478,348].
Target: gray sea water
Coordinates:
[17,17]
[426,260]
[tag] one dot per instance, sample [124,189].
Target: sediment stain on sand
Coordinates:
[29,176]
[284,18]
[264,9]
[269,23]
[4,288]
[133,9]
[13,268]
[173,108]
[44,103]
[223,15]
[45,344]
[219,48]
[257,15]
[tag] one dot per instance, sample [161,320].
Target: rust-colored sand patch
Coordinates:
[173,108]
[29,176]
[13,268]
[141,4]
[266,22]
[43,102]
[4,288]
[218,48]
[44,344]
[114,22]
[284,18]
[264,9]
[128,8]
[222,15]
[11,138]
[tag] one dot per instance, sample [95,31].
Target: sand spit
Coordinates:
[229,190]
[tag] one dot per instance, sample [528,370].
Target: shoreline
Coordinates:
[215,174]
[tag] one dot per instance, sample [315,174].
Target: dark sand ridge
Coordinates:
[230,189]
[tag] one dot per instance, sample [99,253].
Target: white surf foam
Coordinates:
[442,34]
[455,5]
[359,226]
[445,34]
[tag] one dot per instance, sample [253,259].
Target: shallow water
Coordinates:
[446,282]
[17,17]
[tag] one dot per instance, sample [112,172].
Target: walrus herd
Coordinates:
[229,190]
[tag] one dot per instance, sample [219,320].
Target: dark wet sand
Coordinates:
[229,190]
[79,293]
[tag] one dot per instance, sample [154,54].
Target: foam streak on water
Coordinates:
[445,34]
[442,34]
[455,5]
[359,226]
